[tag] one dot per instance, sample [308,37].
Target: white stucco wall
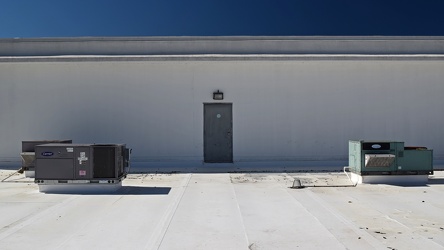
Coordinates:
[282,110]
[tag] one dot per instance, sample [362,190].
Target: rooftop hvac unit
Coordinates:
[389,158]
[28,154]
[81,163]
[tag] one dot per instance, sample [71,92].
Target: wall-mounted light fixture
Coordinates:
[218,95]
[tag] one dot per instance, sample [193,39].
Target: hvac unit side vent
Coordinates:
[104,162]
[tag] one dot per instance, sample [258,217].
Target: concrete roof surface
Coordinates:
[224,211]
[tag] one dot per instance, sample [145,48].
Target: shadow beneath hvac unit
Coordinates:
[430,181]
[408,184]
[436,181]
[137,190]
[124,190]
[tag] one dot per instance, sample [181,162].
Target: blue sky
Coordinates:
[59,18]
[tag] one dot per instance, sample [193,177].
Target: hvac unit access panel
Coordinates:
[64,162]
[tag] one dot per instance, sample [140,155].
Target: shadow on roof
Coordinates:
[436,181]
[124,190]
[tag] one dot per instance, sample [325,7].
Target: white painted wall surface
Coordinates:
[282,110]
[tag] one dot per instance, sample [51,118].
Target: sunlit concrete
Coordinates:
[224,211]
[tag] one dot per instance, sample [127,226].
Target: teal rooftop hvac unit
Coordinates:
[368,158]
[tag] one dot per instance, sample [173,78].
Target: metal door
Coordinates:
[218,132]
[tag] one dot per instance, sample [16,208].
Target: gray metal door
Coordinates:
[218,132]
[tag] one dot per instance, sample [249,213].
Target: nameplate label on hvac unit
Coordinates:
[379,160]
[82,158]
[376,146]
[46,154]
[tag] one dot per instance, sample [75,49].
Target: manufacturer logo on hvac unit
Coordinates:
[47,153]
